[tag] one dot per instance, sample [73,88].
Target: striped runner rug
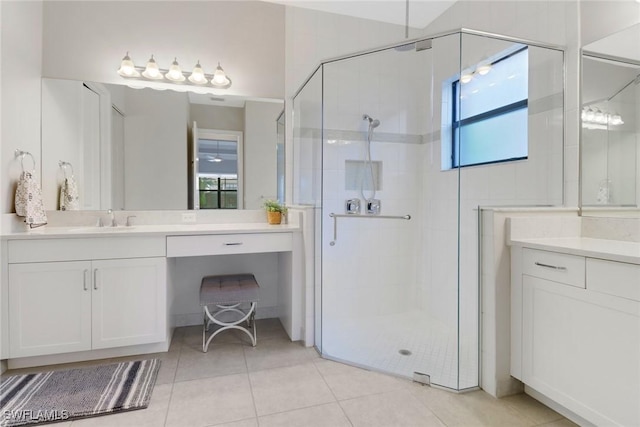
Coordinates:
[76,393]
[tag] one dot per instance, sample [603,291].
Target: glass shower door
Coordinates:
[390,281]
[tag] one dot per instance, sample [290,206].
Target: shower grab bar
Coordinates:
[336,216]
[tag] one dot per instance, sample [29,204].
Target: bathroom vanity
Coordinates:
[575,325]
[76,293]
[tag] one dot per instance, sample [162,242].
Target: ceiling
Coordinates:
[421,12]
[623,44]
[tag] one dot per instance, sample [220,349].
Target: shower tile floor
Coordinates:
[376,342]
[282,383]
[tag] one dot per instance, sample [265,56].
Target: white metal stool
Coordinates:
[228,293]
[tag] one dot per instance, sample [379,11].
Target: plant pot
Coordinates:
[274,217]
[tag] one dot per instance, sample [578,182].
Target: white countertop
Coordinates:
[614,250]
[47,232]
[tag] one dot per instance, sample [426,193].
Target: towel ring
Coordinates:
[22,154]
[64,165]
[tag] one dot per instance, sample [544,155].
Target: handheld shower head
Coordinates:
[373,123]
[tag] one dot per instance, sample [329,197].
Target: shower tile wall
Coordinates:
[413,265]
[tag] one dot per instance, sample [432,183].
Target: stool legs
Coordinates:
[210,317]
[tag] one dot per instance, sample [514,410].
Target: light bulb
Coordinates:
[616,120]
[197,75]
[127,67]
[466,78]
[152,71]
[220,79]
[175,73]
[590,115]
[483,68]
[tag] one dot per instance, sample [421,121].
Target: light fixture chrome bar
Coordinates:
[335,217]
[186,81]
[174,75]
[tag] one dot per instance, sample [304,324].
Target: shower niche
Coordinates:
[356,170]
[427,133]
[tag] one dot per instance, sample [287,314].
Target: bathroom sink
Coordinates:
[99,229]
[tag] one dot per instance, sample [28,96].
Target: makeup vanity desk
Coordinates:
[79,293]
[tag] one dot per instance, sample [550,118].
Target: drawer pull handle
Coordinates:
[84,284]
[555,267]
[233,244]
[95,279]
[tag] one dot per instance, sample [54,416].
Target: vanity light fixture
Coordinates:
[598,119]
[127,68]
[466,78]
[220,78]
[197,75]
[152,71]
[483,68]
[174,74]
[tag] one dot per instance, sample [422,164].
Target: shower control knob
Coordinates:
[352,206]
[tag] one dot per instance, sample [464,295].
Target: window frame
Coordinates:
[456,123]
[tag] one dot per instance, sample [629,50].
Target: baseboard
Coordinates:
[80,356]
[3,366]
[557,407]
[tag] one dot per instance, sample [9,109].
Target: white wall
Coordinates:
[87,40]
[260,138]
[601,18]
[155,136]
[312,36]
[21,70]
[214,117]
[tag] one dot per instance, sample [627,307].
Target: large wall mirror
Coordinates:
[610,121]
[144,149]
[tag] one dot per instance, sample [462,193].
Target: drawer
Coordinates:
[47,250]
[225,244]
[562,268]
[614,278]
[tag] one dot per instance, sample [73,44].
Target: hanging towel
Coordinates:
[28,200]
[69,198]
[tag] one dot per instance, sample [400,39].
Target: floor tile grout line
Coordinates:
[332,392]
[297,409]
[173,382]
[253,397]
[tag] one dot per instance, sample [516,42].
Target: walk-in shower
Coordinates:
[457,121]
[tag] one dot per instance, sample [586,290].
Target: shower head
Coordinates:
[373,123]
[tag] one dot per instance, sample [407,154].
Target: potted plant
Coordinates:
[275,211]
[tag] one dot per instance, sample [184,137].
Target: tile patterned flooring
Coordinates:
[280,383]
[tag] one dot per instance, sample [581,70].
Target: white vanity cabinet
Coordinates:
[576,333]
[59,306]
[128,302]
[49,308]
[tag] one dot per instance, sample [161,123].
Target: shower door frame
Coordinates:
[320,68]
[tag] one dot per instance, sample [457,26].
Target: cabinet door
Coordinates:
[129,302]
[581,349]
[49,308]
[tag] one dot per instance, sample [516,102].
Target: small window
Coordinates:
[490,112]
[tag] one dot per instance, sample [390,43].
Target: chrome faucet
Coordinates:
[113,218]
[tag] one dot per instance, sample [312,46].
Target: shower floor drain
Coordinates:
[404,352]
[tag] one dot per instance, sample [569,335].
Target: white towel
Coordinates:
[28,200]
[69,198]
